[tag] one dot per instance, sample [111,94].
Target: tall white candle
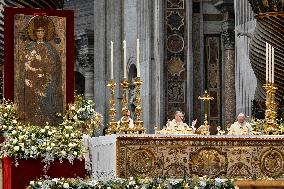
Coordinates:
[111,60]
[138,56]
[269,62]
[272,69]
[266,62]
[124,59]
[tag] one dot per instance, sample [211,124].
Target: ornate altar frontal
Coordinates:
[177,156]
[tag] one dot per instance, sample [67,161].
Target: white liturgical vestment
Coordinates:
[174,125]
[240,128]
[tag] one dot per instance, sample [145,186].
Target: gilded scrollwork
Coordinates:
[142,162]
[272,162]
[208,161]
[178,156]
[174,161]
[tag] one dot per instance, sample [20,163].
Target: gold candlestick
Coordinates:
[138,109]
[270,125]
[112,128]
[124,125]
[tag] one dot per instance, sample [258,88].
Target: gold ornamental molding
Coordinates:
[178,156]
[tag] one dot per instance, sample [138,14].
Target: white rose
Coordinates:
[49,132]
[65,185]
[42,130]
[10,127]
[5,115]
[14,121]
[22,145]
[15,141]
[52,144]
[20,127]
[195,187]
[63,153]
[48,148]
[14,132]
[67,135]
[39,183]
[47,127]
[108,187]
[17,148]
[33,148]
[9,106]
[72,108]
[4,127]
[32,182]
[75,153]
[72,134]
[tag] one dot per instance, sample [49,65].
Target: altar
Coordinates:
[224,156]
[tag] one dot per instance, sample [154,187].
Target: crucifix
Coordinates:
[206,98]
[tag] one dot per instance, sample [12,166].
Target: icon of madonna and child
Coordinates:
[40,88]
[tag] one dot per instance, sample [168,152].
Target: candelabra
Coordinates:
[112,123]
[138,109]
[270,125]
[124,125]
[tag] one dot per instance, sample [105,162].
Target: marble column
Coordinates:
[89,82]
[157,66]
[229,92]
[228,68]
[100,57]
[190,62]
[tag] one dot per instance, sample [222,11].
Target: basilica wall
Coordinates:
[177,62]
[199,44]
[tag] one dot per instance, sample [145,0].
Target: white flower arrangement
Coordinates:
[48,142]
[146,183]
[83,116]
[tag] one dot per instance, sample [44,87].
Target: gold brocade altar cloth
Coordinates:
[215,156]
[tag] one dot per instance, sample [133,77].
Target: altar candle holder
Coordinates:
[112,123]
[124,125]
[270,125]
[138,109]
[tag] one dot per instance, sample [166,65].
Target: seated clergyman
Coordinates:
[178,124]
[241,127]
[128,119]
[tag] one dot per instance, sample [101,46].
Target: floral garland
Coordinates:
[48,142]
[135,183]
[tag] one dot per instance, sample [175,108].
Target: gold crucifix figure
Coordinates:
[206,98]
